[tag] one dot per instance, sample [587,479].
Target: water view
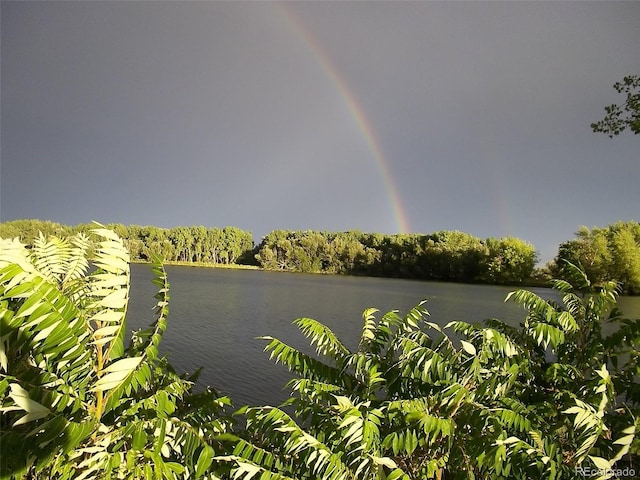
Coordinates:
[216,315]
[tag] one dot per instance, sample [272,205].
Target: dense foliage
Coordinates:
[180,244]
[75,403]
[619,117]
[554,398]
[444,255]
[605,254]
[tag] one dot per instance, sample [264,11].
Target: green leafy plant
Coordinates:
[417,400]
[75,402]
[414,400]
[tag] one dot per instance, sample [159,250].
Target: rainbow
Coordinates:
[357,113]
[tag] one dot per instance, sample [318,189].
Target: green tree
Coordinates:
[454,256]
[619,117]
[28,230]
[608,253]
[509,261]
[275,250]
[180,237]
[235,243]
[590,250]
[625,250]
[199,237]
[347,253]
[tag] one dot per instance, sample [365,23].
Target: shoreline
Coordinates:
[236,266]
[228,266]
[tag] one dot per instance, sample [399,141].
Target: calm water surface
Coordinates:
[216,315]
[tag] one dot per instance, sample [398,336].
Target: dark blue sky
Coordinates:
[329,115]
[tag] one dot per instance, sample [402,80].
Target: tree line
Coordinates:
[444,255]
[605,253]
[195,244]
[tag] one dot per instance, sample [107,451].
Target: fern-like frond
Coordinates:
[369,372]
[44,324]
[533,303]
[429,366]
[324,340]
[316,392]
[368,328]
[392,327]
[110,295]
[75,405]
[302,363]
[14,252]
[46,362]
[513,415]
[77,263]
[577,277]
[545,334]
[590,426]
[144,345]
[501,343]
[299,449]
[50,257]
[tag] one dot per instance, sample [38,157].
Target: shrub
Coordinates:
[75,402]
[415,400]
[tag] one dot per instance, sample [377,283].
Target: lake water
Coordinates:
[216,315]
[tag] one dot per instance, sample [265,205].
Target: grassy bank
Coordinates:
[229,266]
